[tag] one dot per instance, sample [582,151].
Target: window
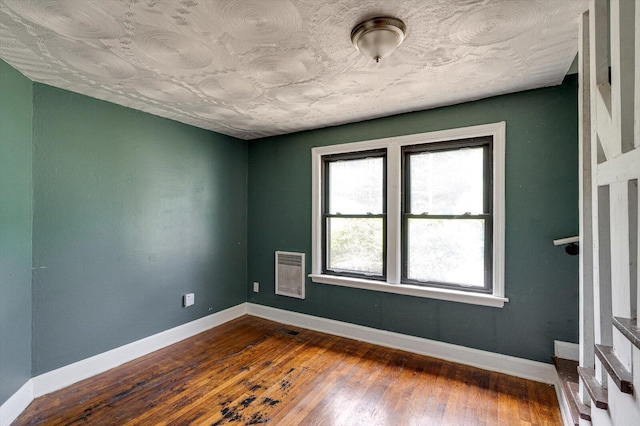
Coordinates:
[446,215]
[354,207]
[421,215]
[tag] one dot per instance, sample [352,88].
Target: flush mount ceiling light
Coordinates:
[378,37]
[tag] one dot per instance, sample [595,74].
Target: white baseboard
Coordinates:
[566,350]
[513,366]
[569,351]
[72,373]
[562,403]
[16,404]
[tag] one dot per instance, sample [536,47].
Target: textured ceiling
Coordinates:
[253,68]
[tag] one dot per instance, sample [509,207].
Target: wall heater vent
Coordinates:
[290,274]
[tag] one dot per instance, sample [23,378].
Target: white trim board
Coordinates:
[16,404]
[519,367]
[562,403]
[566,350]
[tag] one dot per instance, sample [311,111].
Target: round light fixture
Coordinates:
[378,37]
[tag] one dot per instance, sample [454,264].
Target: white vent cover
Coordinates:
[290,274]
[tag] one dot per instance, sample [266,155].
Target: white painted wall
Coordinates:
[610,159]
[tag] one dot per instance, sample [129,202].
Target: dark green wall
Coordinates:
[131,212]
[541,205]
[16,97]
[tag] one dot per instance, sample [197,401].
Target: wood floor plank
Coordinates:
[421,389]
[328,381]
[252,371]
[287,372]
[354,396]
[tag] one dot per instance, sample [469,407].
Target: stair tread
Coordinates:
[567,369]
[583,409]
[598,393]
[567,372]
[629,328]
[617,371]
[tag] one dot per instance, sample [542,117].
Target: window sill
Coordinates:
[413,290]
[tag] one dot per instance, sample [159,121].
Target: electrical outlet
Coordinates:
[188,299]
[256,286]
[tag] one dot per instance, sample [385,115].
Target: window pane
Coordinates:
[447,182]
[356,186]
[447,251]
[355,245]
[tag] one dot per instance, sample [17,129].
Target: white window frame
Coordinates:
[393,283]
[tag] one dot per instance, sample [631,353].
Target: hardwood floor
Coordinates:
[251,371]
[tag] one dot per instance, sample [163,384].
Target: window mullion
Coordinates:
[394,174]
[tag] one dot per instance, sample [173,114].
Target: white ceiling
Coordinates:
[253,68]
